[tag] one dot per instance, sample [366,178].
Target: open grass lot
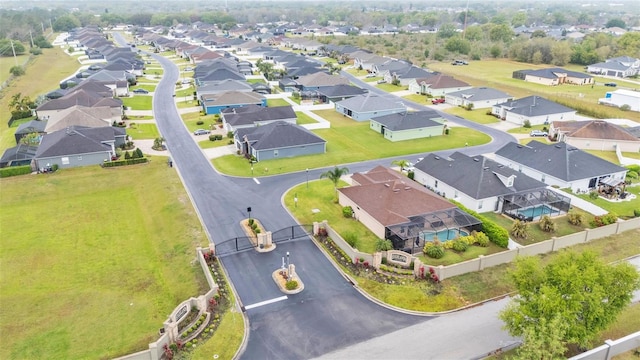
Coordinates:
[7,62]
[611,156]
[191,120]
[154,71]
[350,141]
[208,144]
[480,115]
[256,81]
[417,98]
[94,260]
[277,102]
[42,76]
[148,87]
[498,74]
[186,92]
[304,118]
[390,87]
[138,102]
[143,131]
[188,103]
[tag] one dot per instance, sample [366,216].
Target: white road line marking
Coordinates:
[266,302]
[256,180]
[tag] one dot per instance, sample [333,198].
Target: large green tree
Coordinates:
[66,23]
[334,175]
[577,290]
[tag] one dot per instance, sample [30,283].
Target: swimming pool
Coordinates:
[444,235]
[537,211]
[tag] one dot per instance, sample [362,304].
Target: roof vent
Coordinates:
[558,146]
[476,159]
[549,160]
[396,190]
[387,185]
[485,168]
[437,157]
[407,187]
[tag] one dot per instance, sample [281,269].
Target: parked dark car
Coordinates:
[611,84]
[140,91]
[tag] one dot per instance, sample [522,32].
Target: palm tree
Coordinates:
[402,163]
[335,175]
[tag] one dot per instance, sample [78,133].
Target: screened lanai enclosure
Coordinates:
[443,225]
[532,205]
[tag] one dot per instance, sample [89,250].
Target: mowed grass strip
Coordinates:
[350,141]
[143,131]
[138,102]
[42,75]
[93,260]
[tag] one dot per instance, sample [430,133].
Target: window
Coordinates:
[520,168]
[542,179]
[455,194]
[275,153]
[479,204]
[436,184]
[79,158]
[65,161]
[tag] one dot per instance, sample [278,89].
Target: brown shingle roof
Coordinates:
[594,129]
[391,198]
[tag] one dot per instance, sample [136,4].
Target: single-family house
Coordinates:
[369,106]
[554,76]
[623,66]
[622,97]
[79,146]
[81,97]
[483,185]
[332,94]
[19,155]
[253,115]
[367,61]
[477,98]
[437,85]
[320,80]
[78,115]
[595,135]
[535,109]
[30,127]
[409,125]
[399,209]
[560,164]
[214,103]
[278,140]
[216,87]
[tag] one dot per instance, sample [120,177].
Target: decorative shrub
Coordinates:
[351,238]
[520,229]
[459,245]
[435,251]
[574,218]
[593,195]
[481,239]
[322,232]
[200,122]
[291,285]
[546,224]
[603,220]
[636,212]
[497,234]
[257,231]
[212,137]
[15,170]
[526,124]
[251,222]
[384,245]
[347,212]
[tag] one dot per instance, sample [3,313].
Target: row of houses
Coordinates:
[74,125]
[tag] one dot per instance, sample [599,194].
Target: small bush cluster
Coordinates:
[593,195]
[351,238]
[384,245]
[520,229]
[347,212]
[636,212]
[125,162]
[497,234]
[214,137]
[291,285]
[574,218]
[546,224]
[15,171]
[603,220]
[433,250]
[199,122]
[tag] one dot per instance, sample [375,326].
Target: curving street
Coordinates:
[330,315]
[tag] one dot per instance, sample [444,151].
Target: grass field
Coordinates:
[277,102]
[351,141]
[480,115]
[304,118]
[191,120]
[143,131]
[498,74]
[138,102]
[208,144]
[42,76]
[94,260]
[7,62]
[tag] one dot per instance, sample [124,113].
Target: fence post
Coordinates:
[609,344]
[553,245]
[480,262]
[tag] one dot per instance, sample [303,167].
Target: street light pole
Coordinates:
[307,178]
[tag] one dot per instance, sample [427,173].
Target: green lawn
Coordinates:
[304,118]
[94,261]
[187,92]
[7,62]
[188,103]
[277,102]
[154,71]
[138,102]
[139,117]
[417,98]
[143,131]
[256,81]
[390,87]
[208,144]
[42,76]
[351,141]
[611,156]
[191,120]
[148,87]
[623,209]
[454,257]
[480,115]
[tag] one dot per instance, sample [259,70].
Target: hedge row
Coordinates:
[125,162]
[15,171]
[497,234]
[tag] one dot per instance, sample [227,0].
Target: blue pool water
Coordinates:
[444,235]
[537,211]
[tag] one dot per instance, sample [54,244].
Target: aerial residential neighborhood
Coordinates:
[319,180]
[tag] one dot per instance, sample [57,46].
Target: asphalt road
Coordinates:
[329,314]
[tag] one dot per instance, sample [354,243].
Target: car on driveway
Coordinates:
[370,75]
[611,84]
[437,101]
[538,133]
[141,91]
[201,132]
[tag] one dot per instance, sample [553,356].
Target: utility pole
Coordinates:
[466,13]
[42,25]
[31,36]
[15,58]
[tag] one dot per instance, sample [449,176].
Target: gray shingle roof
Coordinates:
[252,114]
[77,140]
[476,176]
[341,90]
[551,73]
[535,106]
[410,120]
[31,126]
[278,135]
[370,102]
[479,94]
[559,160]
